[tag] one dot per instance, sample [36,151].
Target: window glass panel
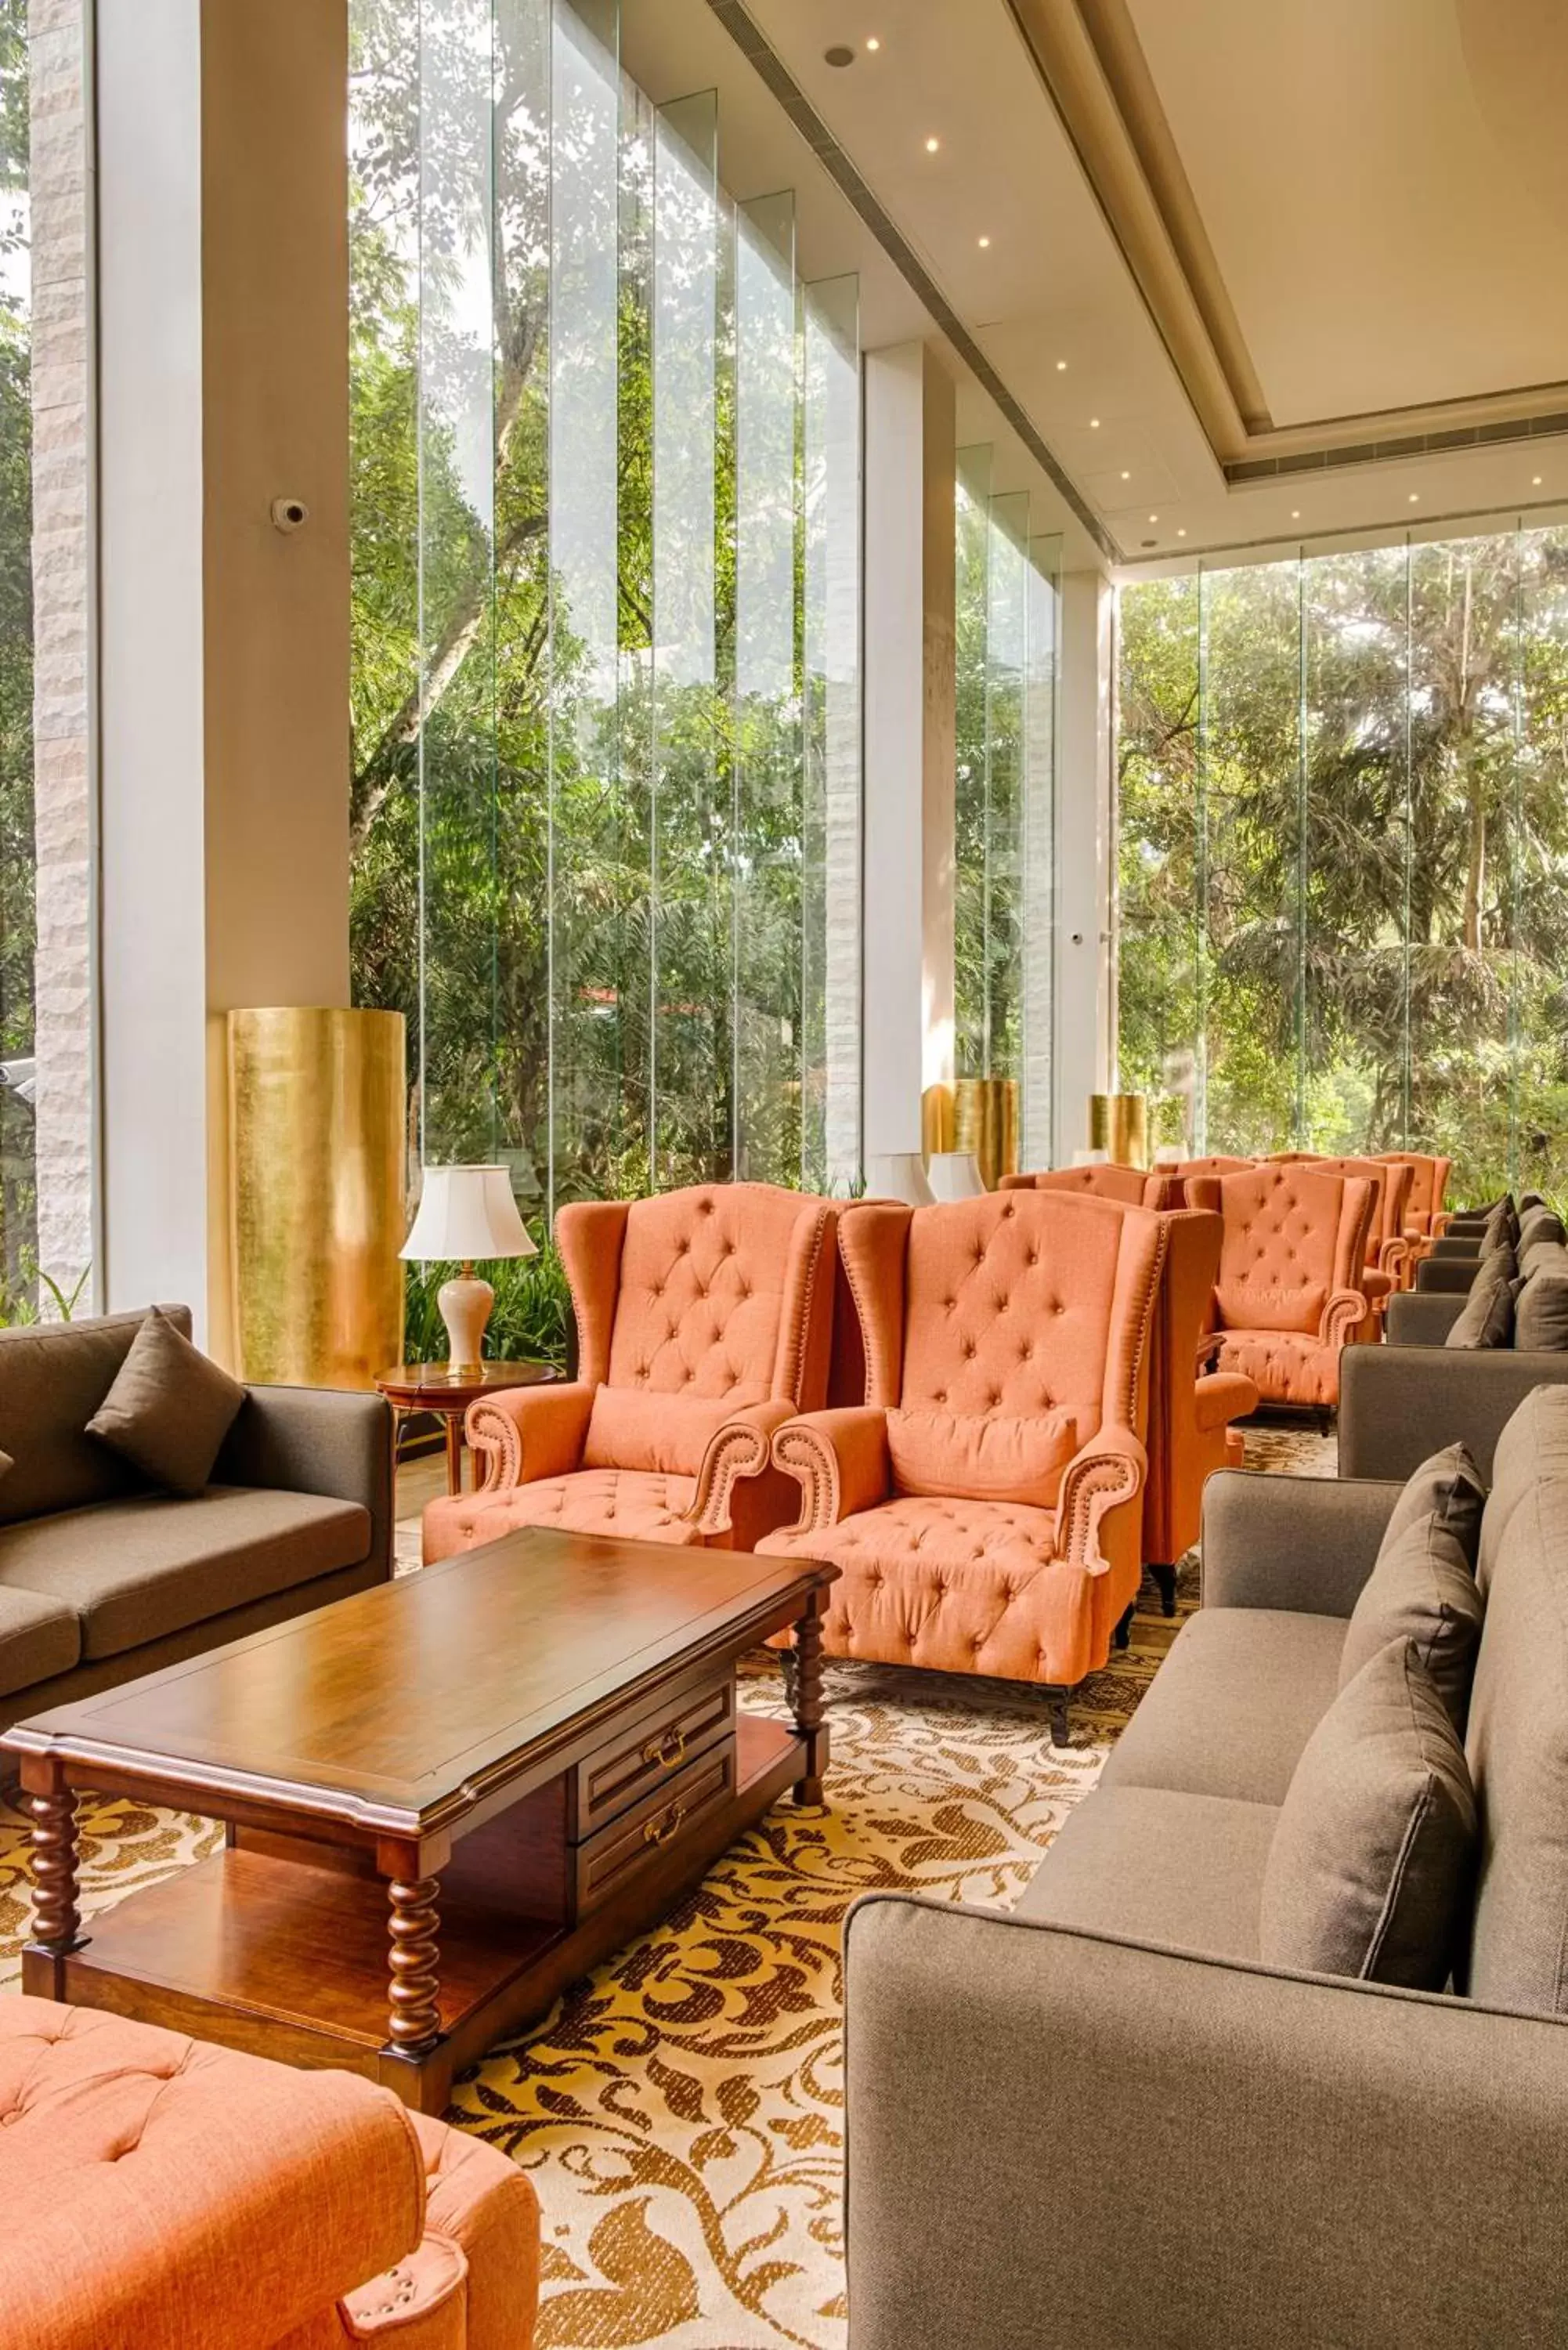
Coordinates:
[18,1174]
[830,881]
[1043,587]
[1542,901]
[1158,863]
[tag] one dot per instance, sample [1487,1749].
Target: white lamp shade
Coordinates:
[1167,1155]
[466,1214]
[1090,1158]
[898,1175]
[954,1175]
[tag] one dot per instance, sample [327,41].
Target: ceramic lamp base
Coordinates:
[465,1303]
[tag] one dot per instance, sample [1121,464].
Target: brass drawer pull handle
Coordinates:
[669,1750]
[660,1830]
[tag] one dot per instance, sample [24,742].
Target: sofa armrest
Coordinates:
[1303,1543]
[193,2194]
[1222,1396]
[1423,1317]
[840,1461]
[1346,1312]
[1308,2129]
[1459,1245]
[317,1441]
[525,1433]
[1453,1274]
[1105,1474]
[1398,1405]
[741,1447]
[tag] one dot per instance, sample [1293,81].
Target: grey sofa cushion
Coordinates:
[135,1569]
[1160,1868]
[1517,1739]
[53,1377]
[39,1637]
[1534,1444]
[1487,1319]
[1421,1590]
[1541,1229]
[169,1407]
[1371,1853]
[1447,1484]
[1541,1315]
[1233,1706]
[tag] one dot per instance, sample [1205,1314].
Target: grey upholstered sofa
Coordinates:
[102,1577]
[1100,2120]
[1398,1402]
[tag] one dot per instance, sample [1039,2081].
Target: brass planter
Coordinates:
[316,1200]
[1118,1125]
[985,1121]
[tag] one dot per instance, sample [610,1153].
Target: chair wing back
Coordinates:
[1292,1235]
[1373,1172]
[1103,1183]
[1016,1304]
[1216,1166]
[691,1306]
[1428,1183]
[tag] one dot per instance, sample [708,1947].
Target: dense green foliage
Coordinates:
[1343,855]
[578,853]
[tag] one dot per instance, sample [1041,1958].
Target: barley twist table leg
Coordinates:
[56,1920]
[808,1708]
[415,2015]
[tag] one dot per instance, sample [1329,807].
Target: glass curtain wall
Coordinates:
[1007,615]
[1343,833]
[606,497]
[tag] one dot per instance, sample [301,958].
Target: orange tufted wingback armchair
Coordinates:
[1190,1412]
[705,1321]
[984,1504]
[1130,1185]
[1290,1292]
[1426,1218]
[160,2191]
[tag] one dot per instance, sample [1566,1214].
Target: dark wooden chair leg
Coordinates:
[1057,1698]
[1122,1635]
[1165,1578]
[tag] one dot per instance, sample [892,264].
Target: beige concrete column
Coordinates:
[63,811]
[909,739]
[225,640]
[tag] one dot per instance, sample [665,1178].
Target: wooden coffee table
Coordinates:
[445,1798]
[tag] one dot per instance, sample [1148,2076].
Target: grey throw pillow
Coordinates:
[1447,1486]
[1374,1849]
[1423,1590]
[168,1410]
[1541,1229]
[1541,1316]
[1485,1318]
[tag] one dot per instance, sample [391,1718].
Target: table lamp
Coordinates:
[898,1175]
[955,1175]
[466,1212]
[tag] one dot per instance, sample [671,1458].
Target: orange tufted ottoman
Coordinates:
[157,2192]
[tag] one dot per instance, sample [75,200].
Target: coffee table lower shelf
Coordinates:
[280,1948]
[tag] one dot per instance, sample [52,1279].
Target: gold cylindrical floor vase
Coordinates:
[937,1119]
[316,1208]
[985,1121]
[1118,1125]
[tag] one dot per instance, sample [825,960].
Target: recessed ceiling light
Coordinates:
[1061,367]
[1295,514]
[839,56]
[931,146]
[1535,481]
[983,242]
[1154,517]
[873,43]
[1093,424]
[1414,497]
[1181,534]
[1126,477]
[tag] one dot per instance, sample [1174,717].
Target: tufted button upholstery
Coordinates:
[639,1505]
[158,2189]
[1295,1243]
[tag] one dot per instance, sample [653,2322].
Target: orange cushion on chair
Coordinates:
[1267,1306]
[667,1435]
[981,1457]
[636,1506]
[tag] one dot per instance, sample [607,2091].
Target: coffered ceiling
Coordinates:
[1225,273]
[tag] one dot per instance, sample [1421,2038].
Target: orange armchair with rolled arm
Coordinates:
[1189,1411]
[1426,1218]
[983,1506]
[705,1319]
[1290,1293]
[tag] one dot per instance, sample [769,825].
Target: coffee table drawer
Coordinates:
[645,1757]
[705,1786]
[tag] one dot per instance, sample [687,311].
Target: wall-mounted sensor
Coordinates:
[289,514]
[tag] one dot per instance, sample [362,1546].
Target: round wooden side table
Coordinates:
[430,1387]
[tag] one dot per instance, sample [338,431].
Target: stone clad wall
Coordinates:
[62,593]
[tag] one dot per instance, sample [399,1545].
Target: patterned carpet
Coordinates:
[680,2111]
